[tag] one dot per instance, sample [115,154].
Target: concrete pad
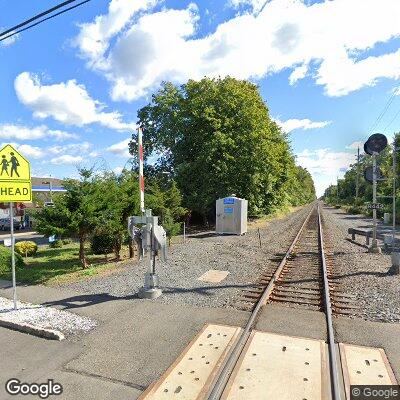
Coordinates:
[214,276]
[372,334]
[364,366]
[141,342]
[285,320]
[280,367]
[192,373]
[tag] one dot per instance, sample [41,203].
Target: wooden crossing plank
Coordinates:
[190,376]
[365,366]
[280,367]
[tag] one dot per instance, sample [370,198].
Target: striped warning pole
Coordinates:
[141,177]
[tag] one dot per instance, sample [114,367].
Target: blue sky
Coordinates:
[71,87]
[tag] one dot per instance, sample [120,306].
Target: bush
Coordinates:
[57,244]
[67,241]
[5,261]
[26,248]
[102,243]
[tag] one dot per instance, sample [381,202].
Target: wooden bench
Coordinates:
[367,233]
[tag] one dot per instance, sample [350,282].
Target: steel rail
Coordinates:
[333,356]
[222,379]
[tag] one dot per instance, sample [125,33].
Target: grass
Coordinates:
[261,222]
[61,265]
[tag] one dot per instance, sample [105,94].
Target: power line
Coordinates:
[383,112]
[391,122]
[12,31]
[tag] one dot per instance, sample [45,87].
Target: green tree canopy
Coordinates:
[216,138]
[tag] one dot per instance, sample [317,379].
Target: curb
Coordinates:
[33,330]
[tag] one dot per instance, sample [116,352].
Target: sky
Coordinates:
[329,72]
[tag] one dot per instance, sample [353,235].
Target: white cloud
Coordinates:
[27,150]
[67,102]
[120,148]
[355,145]
[293,124]
[136,51]
[72,148]
[20,132]
[66,159]
[9,41]
[298,73]
[324,165]
[93,39]
[255,4]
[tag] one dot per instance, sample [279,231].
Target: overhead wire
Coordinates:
[14,30]
[383,112]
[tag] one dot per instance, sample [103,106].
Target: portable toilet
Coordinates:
[231,215]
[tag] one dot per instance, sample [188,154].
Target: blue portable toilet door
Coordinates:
[229,218]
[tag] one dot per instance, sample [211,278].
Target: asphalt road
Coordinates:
[21,235]
[136,340]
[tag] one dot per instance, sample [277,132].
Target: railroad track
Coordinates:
[227,362]
[303,278]
[298,280]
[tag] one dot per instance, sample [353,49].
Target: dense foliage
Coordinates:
[5,261]
[215,138]
[26,248]
[97,206]
[344,193]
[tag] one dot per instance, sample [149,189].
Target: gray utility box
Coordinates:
[231,216]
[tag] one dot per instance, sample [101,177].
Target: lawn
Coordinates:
[61,265]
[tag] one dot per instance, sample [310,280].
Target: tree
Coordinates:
[117,199]
[216,138]
[74,214]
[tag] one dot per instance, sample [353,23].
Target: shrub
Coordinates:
[102,243]
[5,261]
[67,241]
[57,244]
[26,248]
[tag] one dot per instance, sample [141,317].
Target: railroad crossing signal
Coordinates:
[375,143]
[369,174]
[15,176]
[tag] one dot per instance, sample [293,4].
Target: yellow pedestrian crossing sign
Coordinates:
[15,176]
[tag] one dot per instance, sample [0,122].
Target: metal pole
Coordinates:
[13,256]
[394,198]
[374,241]
[141,177]
[358,172]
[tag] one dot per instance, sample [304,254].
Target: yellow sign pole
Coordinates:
[14,282]
[15,186]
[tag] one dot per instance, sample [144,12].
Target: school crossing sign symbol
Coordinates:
[15,176]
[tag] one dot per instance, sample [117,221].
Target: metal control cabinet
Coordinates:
[231,216]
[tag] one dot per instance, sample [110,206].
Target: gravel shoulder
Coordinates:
[367,276]
[240,255]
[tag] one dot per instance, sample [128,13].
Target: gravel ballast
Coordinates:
[365,275]
[240,255]
[41,317]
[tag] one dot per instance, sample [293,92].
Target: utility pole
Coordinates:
[395,254]
[358,172]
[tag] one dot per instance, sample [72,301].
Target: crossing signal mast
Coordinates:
[373,146]
[150,237]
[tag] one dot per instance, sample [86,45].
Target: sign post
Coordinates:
[15,186]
